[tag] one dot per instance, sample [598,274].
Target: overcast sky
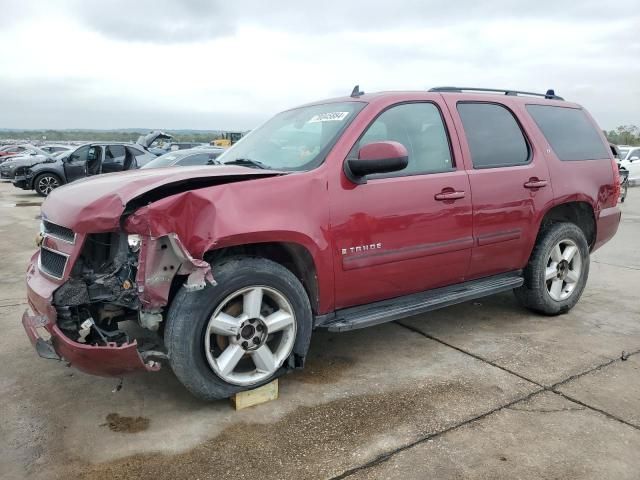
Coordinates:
[209,64]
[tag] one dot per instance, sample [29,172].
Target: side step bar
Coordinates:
[396,308]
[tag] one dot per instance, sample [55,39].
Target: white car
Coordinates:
[630,159]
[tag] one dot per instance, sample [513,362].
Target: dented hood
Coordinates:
[96,204]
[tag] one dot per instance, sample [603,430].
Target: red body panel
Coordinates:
[382,239]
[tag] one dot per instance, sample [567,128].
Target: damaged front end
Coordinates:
[116,284]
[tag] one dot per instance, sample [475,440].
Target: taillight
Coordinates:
[617,188]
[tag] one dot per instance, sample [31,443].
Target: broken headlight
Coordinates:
[134,242]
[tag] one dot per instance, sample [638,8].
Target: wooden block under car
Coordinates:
[259,395]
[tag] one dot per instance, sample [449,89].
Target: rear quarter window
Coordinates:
[570,133]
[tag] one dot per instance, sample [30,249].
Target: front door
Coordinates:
[84,161]
[75,166]
[407,231]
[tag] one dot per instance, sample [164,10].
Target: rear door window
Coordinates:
[569,132]
[495,139]
[114,159]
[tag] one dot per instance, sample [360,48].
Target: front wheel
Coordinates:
[240,333]
[45,183]
[557,271]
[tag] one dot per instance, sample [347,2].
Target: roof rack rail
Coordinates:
[550,94]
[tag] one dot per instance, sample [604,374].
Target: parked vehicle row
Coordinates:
[87,160]
[26,159]
[42,171]
[339,214]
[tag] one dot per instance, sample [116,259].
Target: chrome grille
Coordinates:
[52,263]
[63,233]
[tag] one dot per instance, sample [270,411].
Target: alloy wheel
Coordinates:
[250,335]
[564,268]
[47,183]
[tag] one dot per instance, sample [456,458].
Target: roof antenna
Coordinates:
[355,93]
[551,94]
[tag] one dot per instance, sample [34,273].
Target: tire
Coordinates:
[44,183]
[545,293]
[191,316]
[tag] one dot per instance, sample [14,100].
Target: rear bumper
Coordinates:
[607,225]
[104,360]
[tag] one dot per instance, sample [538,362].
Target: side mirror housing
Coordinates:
[634,158]
[376,157]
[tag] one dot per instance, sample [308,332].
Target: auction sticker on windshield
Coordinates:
[329,117]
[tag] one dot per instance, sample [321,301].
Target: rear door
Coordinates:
[407,231]
[114,156]
[509,180]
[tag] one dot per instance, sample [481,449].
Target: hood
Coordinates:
[147,140]
[25,161]
[97,204]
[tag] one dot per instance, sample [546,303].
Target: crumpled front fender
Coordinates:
[160,260]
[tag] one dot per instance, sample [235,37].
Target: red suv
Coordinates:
[339,214]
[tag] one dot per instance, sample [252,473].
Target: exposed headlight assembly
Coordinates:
[134,242]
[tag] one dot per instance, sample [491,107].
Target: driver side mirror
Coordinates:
[634,158]
[376,157]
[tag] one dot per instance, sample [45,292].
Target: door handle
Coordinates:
[449,195]
[535,183]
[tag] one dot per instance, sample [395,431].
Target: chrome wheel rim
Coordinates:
[250,335]
[564,267]
[46,184]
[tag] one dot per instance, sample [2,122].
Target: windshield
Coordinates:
[623,152]
[297,139]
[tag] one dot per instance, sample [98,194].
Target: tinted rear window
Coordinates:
[494,136]
[569,132]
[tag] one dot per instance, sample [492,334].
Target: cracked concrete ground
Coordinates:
[480,390]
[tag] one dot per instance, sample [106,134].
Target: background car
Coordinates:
[9,150]
[27,158]
[183,158]
[173,146]
[630,159]
[52,149]
[87,160]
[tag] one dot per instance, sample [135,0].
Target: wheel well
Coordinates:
[578,213]
[48,172]
[292,256]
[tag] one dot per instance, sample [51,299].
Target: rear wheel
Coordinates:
[240,333]
[557,271]
[45,183]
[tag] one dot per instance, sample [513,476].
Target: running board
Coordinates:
[401,307]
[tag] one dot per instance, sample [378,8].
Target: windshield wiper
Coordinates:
[247,162]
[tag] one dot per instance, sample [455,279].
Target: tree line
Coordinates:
[624,135]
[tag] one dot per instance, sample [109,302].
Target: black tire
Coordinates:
[190,312]
[38,184]
[534,294]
